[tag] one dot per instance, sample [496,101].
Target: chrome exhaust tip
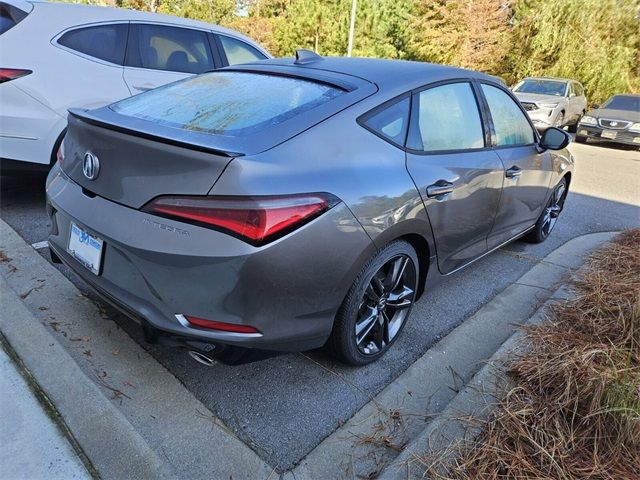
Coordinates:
[202,358]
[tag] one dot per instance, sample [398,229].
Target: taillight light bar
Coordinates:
[220,326]
[7,74]
[256,220]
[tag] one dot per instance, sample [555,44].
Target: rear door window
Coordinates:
[175,49]
[10,16]
[228,103]
[105,42]
[237,51]
[447,119]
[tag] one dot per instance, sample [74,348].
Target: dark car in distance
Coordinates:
[290,204]
[616,121]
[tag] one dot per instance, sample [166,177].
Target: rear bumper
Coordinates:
[289,290]
[622,136]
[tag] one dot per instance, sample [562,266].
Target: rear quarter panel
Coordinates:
[340,157]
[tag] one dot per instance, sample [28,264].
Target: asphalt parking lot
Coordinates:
[284,406]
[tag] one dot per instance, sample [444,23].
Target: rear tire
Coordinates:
[549,215]
[581,139]
[377,306]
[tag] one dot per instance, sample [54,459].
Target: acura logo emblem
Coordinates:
[613,124]
[90,166]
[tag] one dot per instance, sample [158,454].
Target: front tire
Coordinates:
[549,215]
[581,139]
[377,305]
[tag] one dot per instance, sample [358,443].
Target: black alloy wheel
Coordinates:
[377,305]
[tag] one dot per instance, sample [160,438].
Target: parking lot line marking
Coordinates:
[39,245]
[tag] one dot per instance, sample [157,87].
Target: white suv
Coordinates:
[55,56]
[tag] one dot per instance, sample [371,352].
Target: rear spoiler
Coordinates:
[106,118]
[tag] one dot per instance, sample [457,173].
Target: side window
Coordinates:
[447,119]
[158,47]
[391,122]
[106,42]
[579,89]
[238,51]
[573,89]
[511,125]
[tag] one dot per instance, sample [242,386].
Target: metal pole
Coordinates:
[352,26]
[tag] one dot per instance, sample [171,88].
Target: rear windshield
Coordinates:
[9,17]
[228,103]
[623,103]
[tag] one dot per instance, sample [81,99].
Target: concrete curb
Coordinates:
[374,436]
[83,407]
[129,414]
[458,422]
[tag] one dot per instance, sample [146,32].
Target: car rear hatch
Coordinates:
[179,138]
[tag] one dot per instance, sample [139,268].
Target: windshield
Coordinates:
[623,102]
[228,103]
[543,87]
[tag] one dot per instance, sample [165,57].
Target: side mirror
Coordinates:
[572,94]
[555,139]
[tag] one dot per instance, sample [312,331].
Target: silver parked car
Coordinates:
[287,204]
[552,102]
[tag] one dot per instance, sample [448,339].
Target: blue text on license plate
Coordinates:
[86,248]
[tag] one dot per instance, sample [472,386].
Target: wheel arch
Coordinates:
[423,251]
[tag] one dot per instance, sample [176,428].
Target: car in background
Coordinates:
[55,56]
[617,121]
[552,102]
[287,204]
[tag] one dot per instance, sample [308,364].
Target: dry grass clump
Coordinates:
[575,409]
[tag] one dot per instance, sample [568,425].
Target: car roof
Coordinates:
[632,95]
[382,72]
[555,79]
[74,14]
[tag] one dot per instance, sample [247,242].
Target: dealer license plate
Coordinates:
[86,248]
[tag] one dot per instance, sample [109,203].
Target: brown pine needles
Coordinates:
[574,412]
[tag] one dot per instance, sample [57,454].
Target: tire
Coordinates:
[581,139]
[378,303]
[549,216]
[574,128]
[559,123]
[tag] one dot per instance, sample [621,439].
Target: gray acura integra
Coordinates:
[294,203]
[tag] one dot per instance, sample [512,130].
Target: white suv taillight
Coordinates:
[8,74]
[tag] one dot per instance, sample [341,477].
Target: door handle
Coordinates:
[441,187]
[513,172]
[144,87]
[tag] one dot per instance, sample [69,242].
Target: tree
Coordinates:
[594,41]
[213,11]
[469,33]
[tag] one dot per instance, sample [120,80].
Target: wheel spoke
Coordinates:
[377,285]
[378,334]
[364,326]
[401,300]
[386,335]
[397,271]
[371,292]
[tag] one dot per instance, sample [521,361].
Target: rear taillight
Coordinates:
[256,220]
[7,74]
